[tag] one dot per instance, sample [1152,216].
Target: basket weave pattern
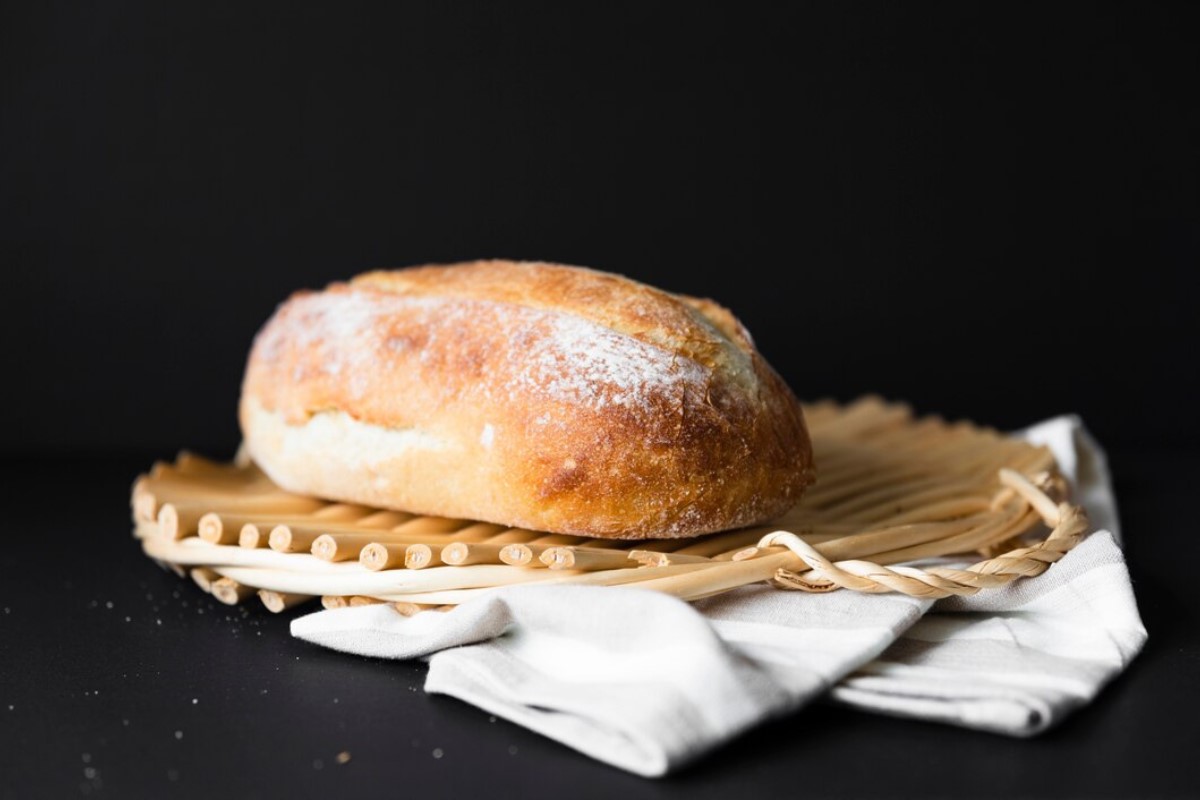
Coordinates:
[893,492]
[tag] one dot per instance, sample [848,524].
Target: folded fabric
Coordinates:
[633,677]
[1018,659]
[1014,660]
[646,682]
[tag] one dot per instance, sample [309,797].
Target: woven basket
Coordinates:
[893,492]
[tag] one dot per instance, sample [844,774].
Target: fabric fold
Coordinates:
[1015,660]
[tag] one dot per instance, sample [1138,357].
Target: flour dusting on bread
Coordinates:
[533,395]
[584,363]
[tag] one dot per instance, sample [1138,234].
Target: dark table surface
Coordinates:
[119,679]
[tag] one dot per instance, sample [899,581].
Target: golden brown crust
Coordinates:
[535,395]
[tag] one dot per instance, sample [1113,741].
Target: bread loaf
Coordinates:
[532,395]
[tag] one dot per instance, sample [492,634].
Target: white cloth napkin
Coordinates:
[646,682]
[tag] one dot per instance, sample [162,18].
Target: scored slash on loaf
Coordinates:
[529,395]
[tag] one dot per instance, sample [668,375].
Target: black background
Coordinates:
[991,213]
